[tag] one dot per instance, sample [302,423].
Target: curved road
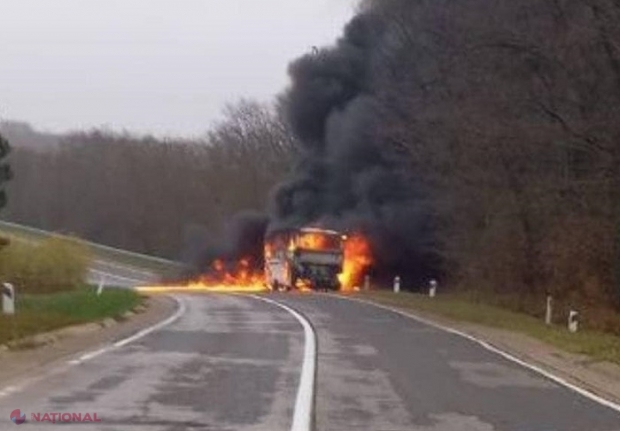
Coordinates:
[228,363]
[115,274]
[379,370]
[233,363]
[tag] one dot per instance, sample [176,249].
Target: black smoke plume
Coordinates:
[347,177]
[241,239]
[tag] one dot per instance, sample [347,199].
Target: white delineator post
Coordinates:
[573,322]
[8,299]
[432,291]
[396,284]
[549,311]
[101,285]
[367,282]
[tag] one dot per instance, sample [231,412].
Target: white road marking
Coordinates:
[8,391]
[88,356]
[557,379]
[304,403]
[124,267]
[117,277]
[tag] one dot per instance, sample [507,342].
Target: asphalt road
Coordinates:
[114,274]
[228,363]
[379,370]
[233,363]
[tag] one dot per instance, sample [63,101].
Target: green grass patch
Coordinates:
[598,345]
[42,313]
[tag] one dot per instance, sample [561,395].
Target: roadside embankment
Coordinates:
[35,354]
[43,313]
[587,358]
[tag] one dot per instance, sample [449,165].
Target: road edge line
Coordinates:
[303,415]
[64,365]
[488,346]
[181,309]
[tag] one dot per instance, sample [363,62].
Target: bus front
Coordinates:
[318,259]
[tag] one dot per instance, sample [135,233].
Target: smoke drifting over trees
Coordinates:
[348,176]
[474,139]
[508,113]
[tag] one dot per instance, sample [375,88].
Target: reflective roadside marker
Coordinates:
[432,291]
[573,322]
[8,298]
[101,286]
[549,311]
[396,284]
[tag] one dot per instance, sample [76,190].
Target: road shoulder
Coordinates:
[599,377]
[71,341]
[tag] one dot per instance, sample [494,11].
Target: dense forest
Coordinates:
[478,140]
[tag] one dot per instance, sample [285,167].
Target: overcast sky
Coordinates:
[161,66]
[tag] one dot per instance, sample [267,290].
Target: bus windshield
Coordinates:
[318,241]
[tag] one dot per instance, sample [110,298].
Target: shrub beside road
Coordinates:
[51,265]
[48,276]
[153,264]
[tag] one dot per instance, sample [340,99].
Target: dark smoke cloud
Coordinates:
[328,81]
[347,177]
[242,239]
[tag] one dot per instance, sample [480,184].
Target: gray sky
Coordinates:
[164,66]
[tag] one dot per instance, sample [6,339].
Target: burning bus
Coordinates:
[304,259]
[307,258]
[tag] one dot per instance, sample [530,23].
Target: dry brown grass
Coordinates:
[51,265]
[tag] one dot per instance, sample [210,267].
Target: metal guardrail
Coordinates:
[18,228]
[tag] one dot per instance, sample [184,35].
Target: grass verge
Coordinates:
[597,345]
[42,313]
[154,264]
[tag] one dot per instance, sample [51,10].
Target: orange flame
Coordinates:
[315,241]
[357,260]
[241,279]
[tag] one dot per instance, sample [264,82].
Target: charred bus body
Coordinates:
[307,258]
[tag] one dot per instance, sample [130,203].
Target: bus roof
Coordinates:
[318,230]
[302,230]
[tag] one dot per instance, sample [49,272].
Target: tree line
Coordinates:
[149,194]
[508,111]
